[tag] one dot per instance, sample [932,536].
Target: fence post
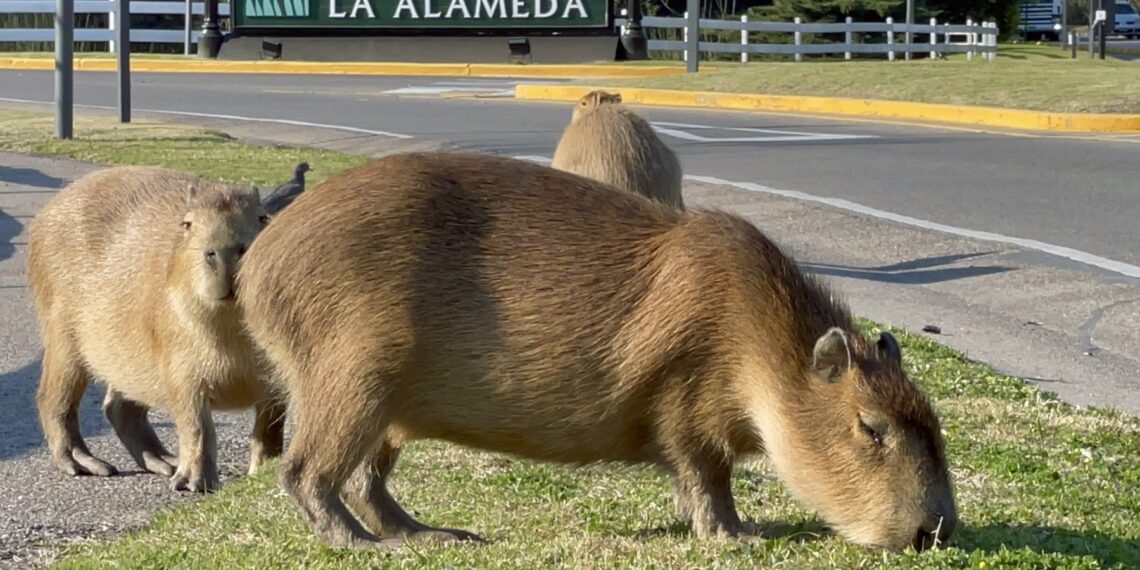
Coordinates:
[847,37]
[685,38]
[111,17]
[933,38]
[799,56]
[970,39]
[186,27]
[744,39]
[693,24]
[890,38]
[993,40]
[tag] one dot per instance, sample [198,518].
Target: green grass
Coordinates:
[1021,77]
[1040,483]
[204,152]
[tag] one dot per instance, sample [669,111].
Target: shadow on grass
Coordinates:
[1107,550]
[805,531]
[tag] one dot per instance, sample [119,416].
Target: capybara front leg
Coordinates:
[62,382]
[367,495]
[197,441]
[129,418]
[268,436]
[706,488]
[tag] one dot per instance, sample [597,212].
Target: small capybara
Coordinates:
[608,142]
[131,271]
[515,308]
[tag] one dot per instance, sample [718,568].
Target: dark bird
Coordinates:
[284,194]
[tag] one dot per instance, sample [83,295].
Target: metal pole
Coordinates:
[909,25]
[210,42]
[692,46]
[186,27]
[634,40]
[1092,27]
[123,30]
[1064,21]
[64,50]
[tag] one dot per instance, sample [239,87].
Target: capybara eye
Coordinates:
[263,219]
[871,433]
[185,225]
[241,250]
[210,255]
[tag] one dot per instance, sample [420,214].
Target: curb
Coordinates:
[960,114]
[359,68]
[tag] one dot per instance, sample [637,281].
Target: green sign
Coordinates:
[475,14]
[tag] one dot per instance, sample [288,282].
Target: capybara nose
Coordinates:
[938,529]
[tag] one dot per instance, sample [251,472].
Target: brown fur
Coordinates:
[516,308]
[607,142]
[124,291]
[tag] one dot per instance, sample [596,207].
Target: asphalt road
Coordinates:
[1070,192]
[829,191]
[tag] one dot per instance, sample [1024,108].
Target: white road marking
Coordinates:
[235,118]
[1060,251]
[681,131]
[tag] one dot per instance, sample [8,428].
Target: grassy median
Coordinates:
[1040,484]
[1032,77]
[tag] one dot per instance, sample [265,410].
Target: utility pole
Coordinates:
[64,69]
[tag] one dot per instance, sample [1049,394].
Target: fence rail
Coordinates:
[976,38]
[185,36]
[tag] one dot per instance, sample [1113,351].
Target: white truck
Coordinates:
[1038,20]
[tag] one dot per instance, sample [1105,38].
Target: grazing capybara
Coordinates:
[608,142]
[131,271]
[511,307]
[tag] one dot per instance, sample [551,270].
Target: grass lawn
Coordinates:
[1040,484]
[1022,76]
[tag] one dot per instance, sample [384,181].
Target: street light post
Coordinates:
[210,42]
[634,41]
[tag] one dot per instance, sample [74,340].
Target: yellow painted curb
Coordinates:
[960,114]
[361,68]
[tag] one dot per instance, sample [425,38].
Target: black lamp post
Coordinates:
[210,42]
[634,41]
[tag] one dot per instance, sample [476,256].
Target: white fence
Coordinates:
[977,38]
[185,36]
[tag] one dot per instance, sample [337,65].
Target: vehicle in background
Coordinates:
[1038,20]
[1127,22]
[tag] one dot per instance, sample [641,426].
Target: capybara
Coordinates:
[608,142]
[131,271]
[515,308]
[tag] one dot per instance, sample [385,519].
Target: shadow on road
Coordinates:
[914,272]
[20,429]
[30,177]
[9,228]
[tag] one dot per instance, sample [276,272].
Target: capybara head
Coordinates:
[219,225]
[862,446]
[593,100]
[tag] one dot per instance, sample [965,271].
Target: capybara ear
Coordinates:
[617,97]
[191,191]
[889,346]
[832,354]
[255,192]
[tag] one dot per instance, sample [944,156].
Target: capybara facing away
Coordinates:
[131,271]
[512,307]
[610,143]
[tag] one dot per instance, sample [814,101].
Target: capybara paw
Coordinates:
[164,465]
[193,480]
[444,535]
[76,462]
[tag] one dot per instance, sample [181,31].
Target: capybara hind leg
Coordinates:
[129,418]
[332,437]
[367,494]
[705,488]
[268,436]
[62,382]
[197,441]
